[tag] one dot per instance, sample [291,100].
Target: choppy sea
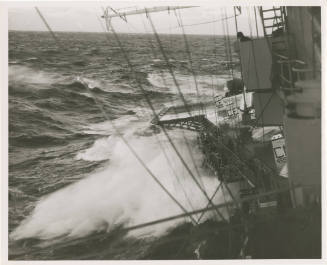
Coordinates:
[73,183]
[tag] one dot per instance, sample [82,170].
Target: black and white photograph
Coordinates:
[162,130]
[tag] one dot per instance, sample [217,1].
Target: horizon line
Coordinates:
[131,33]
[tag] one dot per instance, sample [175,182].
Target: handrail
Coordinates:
[300,62]
[284,61]
[300,70]
[287,60]
[281,56]
[295,66]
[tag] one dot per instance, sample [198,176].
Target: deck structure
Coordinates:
[193,118]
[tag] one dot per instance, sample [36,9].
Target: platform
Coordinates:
[194,117]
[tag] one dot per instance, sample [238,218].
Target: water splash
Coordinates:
[122,193]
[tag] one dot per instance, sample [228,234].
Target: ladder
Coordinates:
[272,19]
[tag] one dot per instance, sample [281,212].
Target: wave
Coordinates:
[33,126]
[128,123]
[17,194]
[28,81]
[206,84]
[26,75]
[39,83]
[123,193]
[13,62]
[40,140]
[51,50]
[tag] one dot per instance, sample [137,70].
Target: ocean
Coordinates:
[73,183]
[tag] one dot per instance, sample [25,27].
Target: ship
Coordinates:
[261,139]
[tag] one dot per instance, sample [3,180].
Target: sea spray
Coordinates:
[46,99]
[123,193]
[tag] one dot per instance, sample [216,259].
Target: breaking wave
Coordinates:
[123,193]
[206,84]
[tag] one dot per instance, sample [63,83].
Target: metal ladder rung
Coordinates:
[274,17]
[273,9]
[270,26]
[274,25]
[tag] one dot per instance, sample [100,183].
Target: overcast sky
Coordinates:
[85,18]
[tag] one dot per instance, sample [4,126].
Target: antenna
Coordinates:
[123,15]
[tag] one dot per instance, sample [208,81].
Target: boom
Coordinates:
[123,15]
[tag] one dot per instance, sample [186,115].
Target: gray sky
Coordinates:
[84,17]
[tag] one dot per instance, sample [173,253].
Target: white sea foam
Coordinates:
[24,74]
[207,84]
[99,151]
[123,192]
[128,123]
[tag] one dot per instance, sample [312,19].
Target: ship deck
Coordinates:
[204,117]
[192,117]
[195,116]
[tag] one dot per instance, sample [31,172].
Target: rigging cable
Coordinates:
[136,155]
[207,22]
[99,105]
[255,65]
[174,217]
[212,197]
[271,179]
[236,28]
[187,144]
[175,111]
[232,112]
[228,54]
[256,21]
[140,86]
[48,27]
[228,44]
[224,196]
[232,71]
[168,65]
[215,40]
[184,101]
[180,94]
[207,231]
[183,134]
[215,206]
[169,162]
[188,52]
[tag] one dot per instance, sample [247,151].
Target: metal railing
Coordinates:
[296,70]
